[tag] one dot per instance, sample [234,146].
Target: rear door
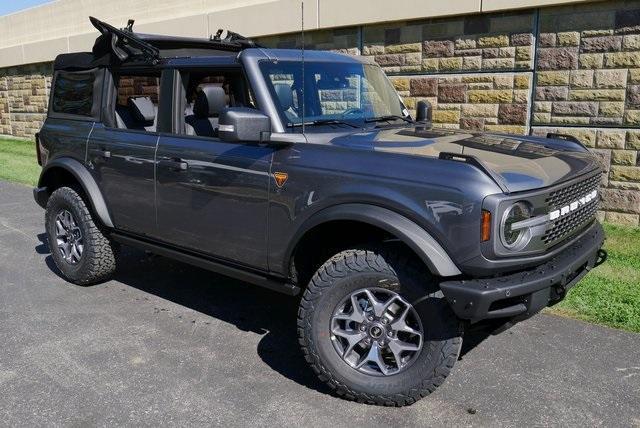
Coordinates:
[212,195]
[121,151]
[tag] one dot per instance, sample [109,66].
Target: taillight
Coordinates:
[485,228]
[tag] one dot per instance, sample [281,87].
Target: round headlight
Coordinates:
[515,238]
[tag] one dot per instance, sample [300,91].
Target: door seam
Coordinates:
[155,181]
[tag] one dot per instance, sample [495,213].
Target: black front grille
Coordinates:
[566,225]
[573,192]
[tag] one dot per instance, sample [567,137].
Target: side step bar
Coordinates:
[204,263]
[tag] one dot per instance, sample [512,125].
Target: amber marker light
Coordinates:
[485,230]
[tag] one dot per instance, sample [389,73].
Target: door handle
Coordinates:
[102,153]
[174,164]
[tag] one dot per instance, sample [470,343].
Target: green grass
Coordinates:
[18,161]
[610,294]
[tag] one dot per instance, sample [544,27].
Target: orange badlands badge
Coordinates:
[281,178]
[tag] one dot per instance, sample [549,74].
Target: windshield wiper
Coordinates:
[325,122]
[387,118]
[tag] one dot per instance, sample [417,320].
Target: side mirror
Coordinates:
[240,124]
[424,111]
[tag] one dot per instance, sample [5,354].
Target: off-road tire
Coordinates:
[98,261]
[405,275]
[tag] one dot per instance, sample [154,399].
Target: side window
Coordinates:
[74,93]
[207,94]
[137,99]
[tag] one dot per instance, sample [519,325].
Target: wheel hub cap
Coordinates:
[69,237]
[376,331]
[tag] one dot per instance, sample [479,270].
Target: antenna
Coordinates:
[129,26]
[303,81]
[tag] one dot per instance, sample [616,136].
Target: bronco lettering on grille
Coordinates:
[553,215]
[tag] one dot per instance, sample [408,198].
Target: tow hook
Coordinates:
[601,258]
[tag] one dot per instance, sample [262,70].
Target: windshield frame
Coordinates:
[361,121]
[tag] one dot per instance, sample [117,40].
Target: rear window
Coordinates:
[73,93]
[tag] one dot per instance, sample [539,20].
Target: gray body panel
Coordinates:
[445,202]
[126,175]
[218,205]
[519,164]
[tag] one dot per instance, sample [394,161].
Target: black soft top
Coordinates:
[116,46]
[80,61]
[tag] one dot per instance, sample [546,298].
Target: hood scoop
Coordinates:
[472,160]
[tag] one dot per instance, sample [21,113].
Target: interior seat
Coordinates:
[140,113]
[210,101]
[284,92]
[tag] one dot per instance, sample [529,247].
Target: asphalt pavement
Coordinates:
[168,344]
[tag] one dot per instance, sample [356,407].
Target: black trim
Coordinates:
[209,264]
[41,195]
[89,185]
[122,44]
[526,292]
[430,251]
[565,137]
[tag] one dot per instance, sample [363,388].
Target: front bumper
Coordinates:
[524,293]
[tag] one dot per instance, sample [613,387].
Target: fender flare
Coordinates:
[418,239]
[89,185]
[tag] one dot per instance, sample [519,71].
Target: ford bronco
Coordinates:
[304,172]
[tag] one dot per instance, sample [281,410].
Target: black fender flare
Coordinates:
[419,240]
[84,177]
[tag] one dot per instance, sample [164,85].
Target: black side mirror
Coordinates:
[240,124]
[424,111]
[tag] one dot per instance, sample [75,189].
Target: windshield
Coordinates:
[345,92]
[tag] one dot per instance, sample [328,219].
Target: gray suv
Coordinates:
[304,172]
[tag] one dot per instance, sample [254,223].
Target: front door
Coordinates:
[212,197]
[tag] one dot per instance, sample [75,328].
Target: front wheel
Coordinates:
[79,247]
[376,329]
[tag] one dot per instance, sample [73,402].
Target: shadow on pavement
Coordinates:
[247,307]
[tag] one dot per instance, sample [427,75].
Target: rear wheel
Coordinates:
[376,328]
[79,248]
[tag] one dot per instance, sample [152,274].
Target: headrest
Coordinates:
[210,100]
[142,109]
[285,95]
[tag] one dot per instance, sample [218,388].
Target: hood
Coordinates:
[517,163]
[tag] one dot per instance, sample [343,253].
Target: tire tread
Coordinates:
[100,261]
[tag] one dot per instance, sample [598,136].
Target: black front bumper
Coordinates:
[524,293]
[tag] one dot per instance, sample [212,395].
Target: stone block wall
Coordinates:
[24,96]
[587,78]
[345,40]
[138,86]
[492,102]
[569,69]
[472,43]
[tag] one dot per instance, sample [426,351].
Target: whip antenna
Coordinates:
[303,82]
